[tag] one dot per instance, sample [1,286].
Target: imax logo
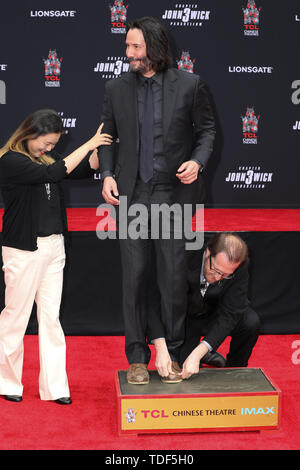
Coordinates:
[257,411]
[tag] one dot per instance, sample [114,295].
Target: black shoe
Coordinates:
[15,398]
[213,359]
[64,401]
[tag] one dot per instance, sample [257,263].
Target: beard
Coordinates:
[141,65]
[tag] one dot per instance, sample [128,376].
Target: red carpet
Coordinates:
[214,219]
[91,421]
[85,219]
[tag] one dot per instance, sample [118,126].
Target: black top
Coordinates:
[20,183]
[50,220]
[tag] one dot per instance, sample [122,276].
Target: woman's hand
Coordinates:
[100,139]
[94,160]
[73,160]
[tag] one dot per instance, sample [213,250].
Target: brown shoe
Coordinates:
[137,374]
[174,378]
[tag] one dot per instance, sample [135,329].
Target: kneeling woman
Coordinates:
[33,253]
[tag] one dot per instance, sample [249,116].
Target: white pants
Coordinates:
[34,276]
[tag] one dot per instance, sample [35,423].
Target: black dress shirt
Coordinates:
[159,160]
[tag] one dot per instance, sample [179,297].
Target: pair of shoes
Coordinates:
[15,398]
[64,401]
[137,374]
[213,359]
[173,378]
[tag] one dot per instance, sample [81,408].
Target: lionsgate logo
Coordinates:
[251,19]
[186,14]
[256,69]
[249,177]
[118,17]
[52,69]
[112,67]
[168,222]
[185,62]
[52,13]
[250,126]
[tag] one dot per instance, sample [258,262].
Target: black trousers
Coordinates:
[138,257]
[243,337]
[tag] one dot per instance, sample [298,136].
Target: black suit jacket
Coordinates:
[188,130]
[225,301]
[219,311]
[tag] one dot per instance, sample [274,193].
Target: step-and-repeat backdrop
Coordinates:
[60,54]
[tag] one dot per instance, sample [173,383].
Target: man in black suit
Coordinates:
[165,126]
[218,305]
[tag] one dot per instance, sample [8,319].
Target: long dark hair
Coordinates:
[157,42]
[40,122]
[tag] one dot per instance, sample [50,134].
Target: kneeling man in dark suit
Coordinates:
[218,305]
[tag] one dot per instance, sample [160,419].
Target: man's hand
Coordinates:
[192,363]
[187,173]
[110,189]
[163,362]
